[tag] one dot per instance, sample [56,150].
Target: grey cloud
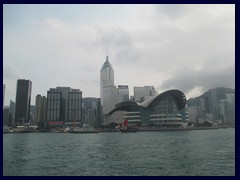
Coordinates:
[206,78]
[172,10]
[119,40]
[211,77]
[183,79]
[194,40]
[88,69]
[115,37]
[10,76]
[10,72]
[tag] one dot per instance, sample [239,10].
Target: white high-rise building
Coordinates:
[143,93]
[107,88]
[122,93]
[107,74]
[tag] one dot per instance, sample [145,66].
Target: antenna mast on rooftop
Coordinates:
[107,53]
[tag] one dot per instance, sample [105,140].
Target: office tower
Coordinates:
[231,106]
[107,74]
[32,116]
[64,91]
[6,116]
[38,104]
[224,111]
[41,107]
[64,106]
[12,112]
[122,93]
[107,88]
[23,100]
[214,105]
[74,107]
[91,111]
[54,106]
[227,109]
[143,93]
[193,113]
[44,110]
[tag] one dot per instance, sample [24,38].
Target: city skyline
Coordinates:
[185,47]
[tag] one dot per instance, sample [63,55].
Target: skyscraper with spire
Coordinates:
[107,74]
[107,88]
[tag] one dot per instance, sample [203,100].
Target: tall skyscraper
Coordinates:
[231,102]
[6,116]
[41,107]
[216,105]
[65,91]
[38,104]
[54,107]
[107,88]
[12,111]
[74,107]
[91,113]
[64,107]
[107,74]
[23,100]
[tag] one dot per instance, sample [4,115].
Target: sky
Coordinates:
[186,47]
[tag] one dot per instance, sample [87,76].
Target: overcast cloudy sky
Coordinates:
[185,47]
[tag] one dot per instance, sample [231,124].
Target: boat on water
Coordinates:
[129,129]
[7,129]
[23,130]
[124,128]
[85,129]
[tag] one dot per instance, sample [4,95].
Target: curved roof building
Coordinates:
[165,109]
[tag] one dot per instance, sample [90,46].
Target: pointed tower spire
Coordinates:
[107,63]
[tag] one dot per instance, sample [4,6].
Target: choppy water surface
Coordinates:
[162,153]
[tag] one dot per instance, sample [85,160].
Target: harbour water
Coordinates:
[158,153]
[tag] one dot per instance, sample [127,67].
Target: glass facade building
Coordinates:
[216,106]
[163,110]
[54,106]
[64,107]
[91,111]
[12,111]
[74,107]
[23,100]
[41,107]
[65,93]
